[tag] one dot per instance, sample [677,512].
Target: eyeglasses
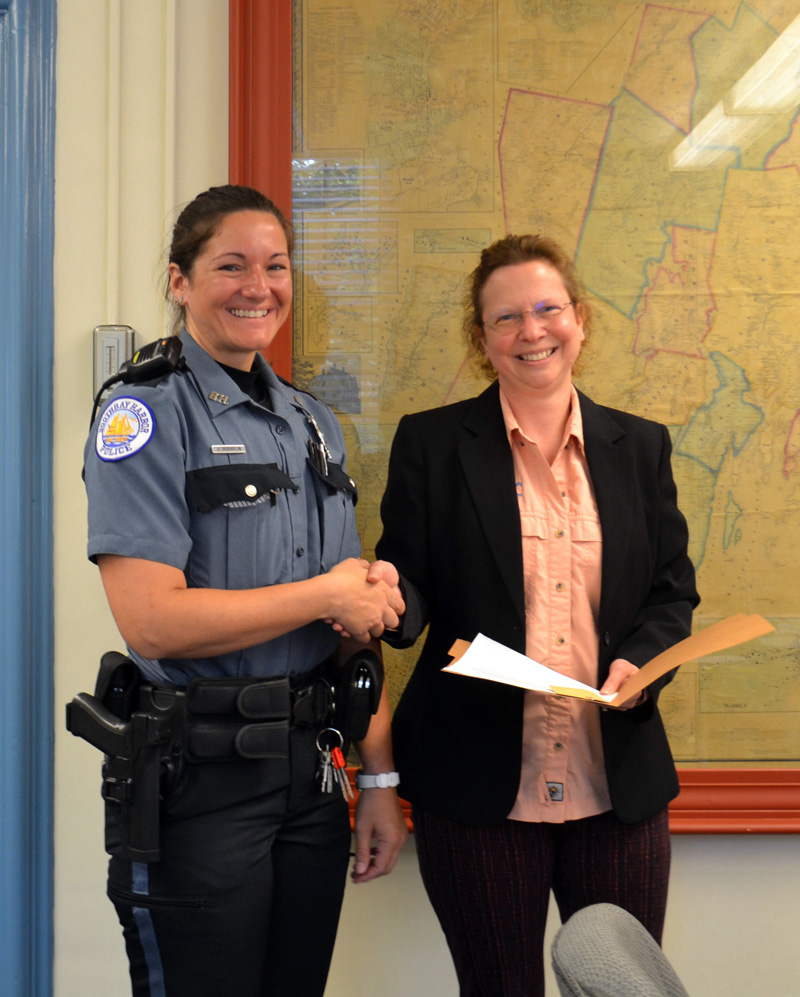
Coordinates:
[514,321]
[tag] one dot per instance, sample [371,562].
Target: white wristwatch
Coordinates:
[383,780]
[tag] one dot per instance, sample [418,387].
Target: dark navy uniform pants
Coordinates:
[246,896]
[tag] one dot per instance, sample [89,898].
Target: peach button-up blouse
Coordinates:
[563,775]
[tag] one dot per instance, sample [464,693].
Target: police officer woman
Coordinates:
[222,522]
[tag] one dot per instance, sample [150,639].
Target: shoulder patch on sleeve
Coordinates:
[126,426]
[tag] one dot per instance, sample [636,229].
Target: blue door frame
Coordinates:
[27,90]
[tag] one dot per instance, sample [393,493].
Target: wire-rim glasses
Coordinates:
[508,321]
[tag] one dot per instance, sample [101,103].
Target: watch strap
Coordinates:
[381,780]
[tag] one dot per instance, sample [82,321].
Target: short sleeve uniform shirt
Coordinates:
[190,472]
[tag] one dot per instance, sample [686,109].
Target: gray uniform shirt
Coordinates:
[189,471]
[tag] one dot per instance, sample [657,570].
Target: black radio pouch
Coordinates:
[358,692]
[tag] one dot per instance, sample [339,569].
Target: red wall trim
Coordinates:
[712,801]
[737,801]
[260,116]
[718,801]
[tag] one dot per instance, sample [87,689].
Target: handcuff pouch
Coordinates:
[358,693]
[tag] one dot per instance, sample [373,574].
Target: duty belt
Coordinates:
[214,719]
[141,728]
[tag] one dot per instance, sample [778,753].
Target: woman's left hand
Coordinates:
[380,834]
[620,671]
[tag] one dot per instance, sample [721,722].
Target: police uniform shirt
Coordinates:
[189,471]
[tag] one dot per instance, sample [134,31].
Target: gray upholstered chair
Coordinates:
[603,951]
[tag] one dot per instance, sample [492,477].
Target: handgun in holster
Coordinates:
[358,693]
[133,742]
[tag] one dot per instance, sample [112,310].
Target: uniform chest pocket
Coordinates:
[336,495]
[236,486]
[335,479]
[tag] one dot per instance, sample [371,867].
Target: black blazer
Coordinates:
[452,528]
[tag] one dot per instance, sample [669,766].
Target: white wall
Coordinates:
[141,127]
[731,925]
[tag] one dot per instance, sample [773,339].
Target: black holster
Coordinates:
[134,743]
[145,730]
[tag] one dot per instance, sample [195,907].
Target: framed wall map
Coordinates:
[661,145]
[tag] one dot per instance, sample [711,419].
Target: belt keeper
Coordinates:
[265,701]
[213,717]
[210,742]
[263,741]
[312,704]
[253,699]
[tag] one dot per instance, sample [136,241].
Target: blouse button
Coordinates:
[558,746]
[250,491]
[559,534]
[280,430]
[559,586]
[300,551]
[559,641]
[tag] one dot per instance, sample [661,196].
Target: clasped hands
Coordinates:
[368,596]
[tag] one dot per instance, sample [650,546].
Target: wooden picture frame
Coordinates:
[712,800]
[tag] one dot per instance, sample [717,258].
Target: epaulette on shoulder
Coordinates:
[302,391]
[152,382]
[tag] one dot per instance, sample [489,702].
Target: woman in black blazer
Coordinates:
[452,526]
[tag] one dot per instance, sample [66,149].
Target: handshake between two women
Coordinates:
[368,598]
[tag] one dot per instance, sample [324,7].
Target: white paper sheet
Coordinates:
[487,659]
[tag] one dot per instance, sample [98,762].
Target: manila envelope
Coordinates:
[487,659]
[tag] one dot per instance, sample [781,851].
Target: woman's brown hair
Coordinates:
[508,252]
[200,219]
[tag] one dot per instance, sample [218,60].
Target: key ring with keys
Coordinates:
[332,764]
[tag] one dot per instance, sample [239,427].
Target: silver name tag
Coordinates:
[228,448]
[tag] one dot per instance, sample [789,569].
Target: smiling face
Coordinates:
[540,355]
[239,291]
